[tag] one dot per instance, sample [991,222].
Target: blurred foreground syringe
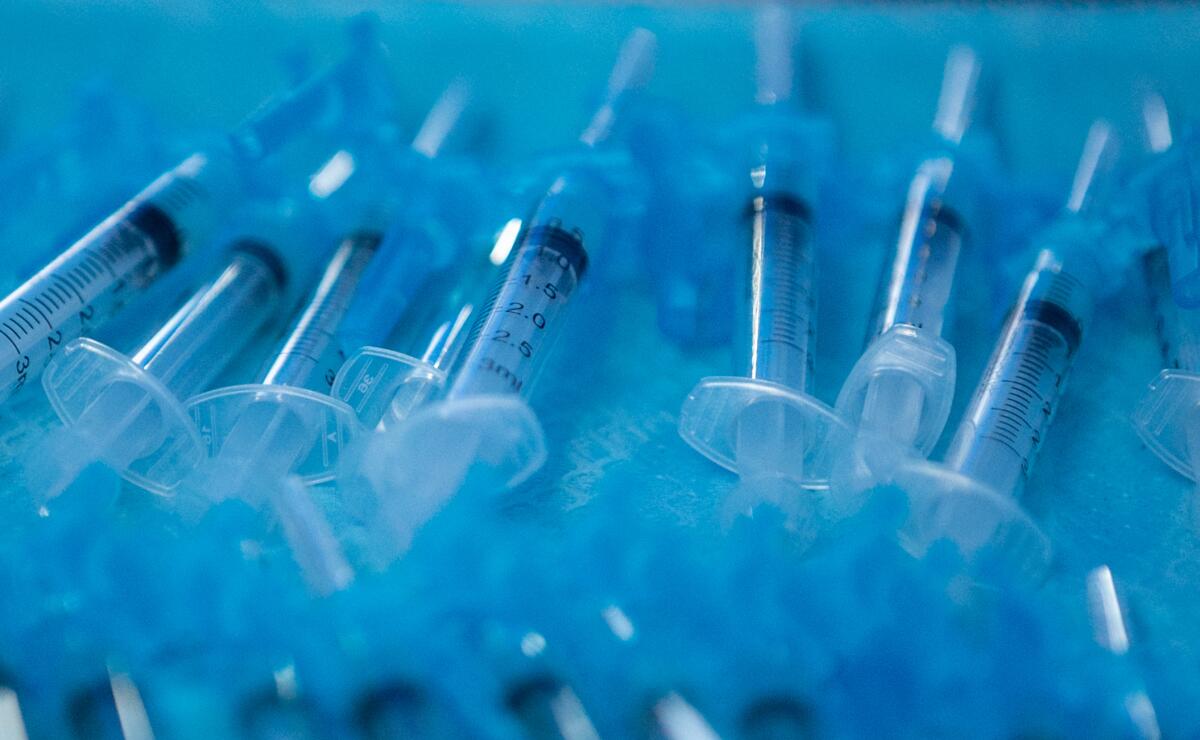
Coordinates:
[1109,627]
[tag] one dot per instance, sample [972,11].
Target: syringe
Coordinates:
[77,171]
[899,392]
[1014,403]
[92,279]
[545,708]
[127,251]
[384,384]
[12,724]
[287,422]
[765,424]
[1168,416]
[430,238]
[1172,187]
[376,382]
[127,411]
[676,719]
[484,426]
[1108,623]
[972,498]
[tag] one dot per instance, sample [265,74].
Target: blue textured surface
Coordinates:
[852,637]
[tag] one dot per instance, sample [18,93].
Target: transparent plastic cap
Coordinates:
[313,427]
[417,467]
[719,410]
[153,442]
[903,355]
[383,385]
[505,433]
[1168,419]
[946,505]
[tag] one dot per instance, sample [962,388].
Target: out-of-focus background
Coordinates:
[624,510]
[1054,66]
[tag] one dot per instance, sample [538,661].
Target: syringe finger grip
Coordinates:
[980,522]
[380,384]
[720,409]
[157,458]
[1168,420]
[331,423]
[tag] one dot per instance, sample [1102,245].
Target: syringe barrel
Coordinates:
[96,275]
[444,313]
[523,315]
[916,285]
[1178,328]
[780,299]
[1015,401]
[384,381]
[405,261]
[312,353]
[218,322]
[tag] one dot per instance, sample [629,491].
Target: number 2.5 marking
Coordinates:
[501,335]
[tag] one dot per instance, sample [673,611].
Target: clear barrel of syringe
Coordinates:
[780,298]
[445,312]
[916,285]
[1177,328]
[220,319]
[1012,408]
[311,354]
[93,278]
[520,317]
